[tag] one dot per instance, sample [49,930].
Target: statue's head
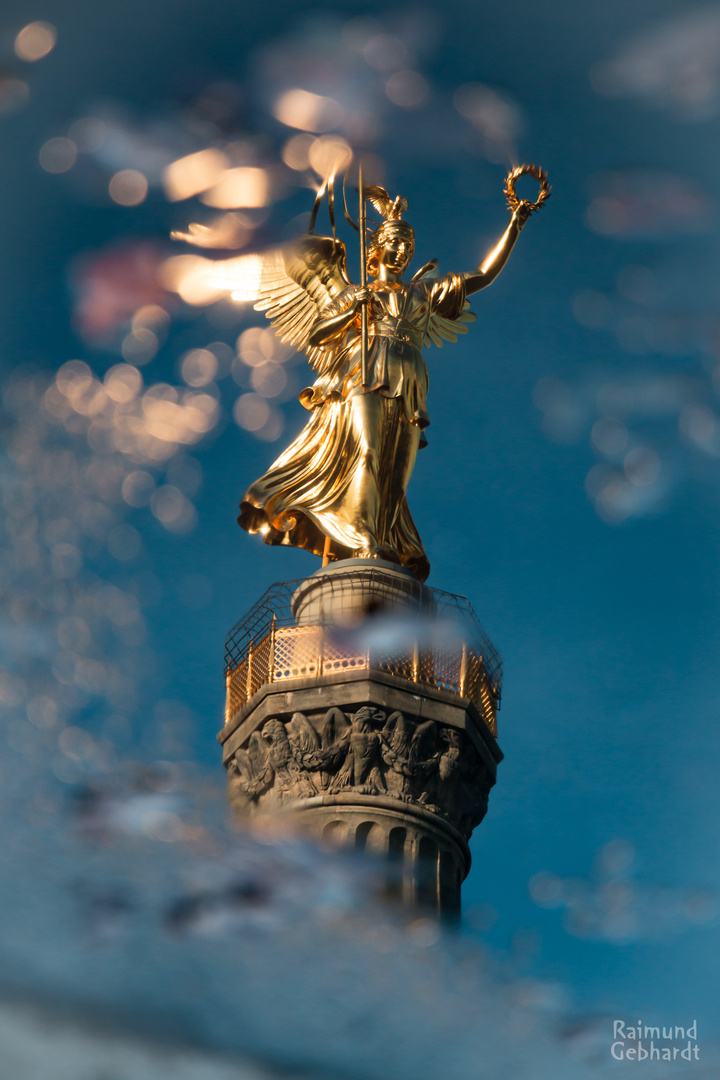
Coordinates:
[391,245]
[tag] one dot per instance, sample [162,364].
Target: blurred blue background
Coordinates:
[570,488]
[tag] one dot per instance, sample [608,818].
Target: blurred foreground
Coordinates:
[165,945]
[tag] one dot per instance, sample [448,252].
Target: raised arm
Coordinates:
[494,261]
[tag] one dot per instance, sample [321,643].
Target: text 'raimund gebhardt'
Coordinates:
[641,1042]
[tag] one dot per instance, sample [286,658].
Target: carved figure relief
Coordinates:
[368,752]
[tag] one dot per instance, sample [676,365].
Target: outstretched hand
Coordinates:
[523,212]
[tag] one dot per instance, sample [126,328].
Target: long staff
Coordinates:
[363,282]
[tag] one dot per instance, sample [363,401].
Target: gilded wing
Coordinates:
[440,329]
[293,285]
[450,310]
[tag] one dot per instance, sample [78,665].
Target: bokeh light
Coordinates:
[311,112]
[251,412]
[245,186]
[14,93]
[296,152]
[199,367]
[193,278]
[407,88]
[328,154]
[58,155]
[88,133]
[35,41]
[139,346]
[192,174]
[128,187]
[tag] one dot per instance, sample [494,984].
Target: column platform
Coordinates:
[362,709]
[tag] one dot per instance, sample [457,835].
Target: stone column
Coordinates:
[361,712]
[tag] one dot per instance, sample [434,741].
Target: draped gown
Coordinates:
[345,476]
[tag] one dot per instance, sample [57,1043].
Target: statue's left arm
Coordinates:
[494,261]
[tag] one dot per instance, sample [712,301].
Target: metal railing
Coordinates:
[267,647]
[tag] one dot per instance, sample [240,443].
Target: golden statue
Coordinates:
[339,490]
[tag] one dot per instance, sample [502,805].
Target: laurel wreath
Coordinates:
[527,170]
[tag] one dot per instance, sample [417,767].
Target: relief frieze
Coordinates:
[368,752]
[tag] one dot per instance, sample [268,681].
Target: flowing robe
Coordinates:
[345,476]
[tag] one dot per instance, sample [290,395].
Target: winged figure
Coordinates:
[339,490]
[251,769]
[273,758]
[396,739]
[410,751]
[361,769]
[460,788]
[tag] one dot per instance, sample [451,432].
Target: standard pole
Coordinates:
[363,282]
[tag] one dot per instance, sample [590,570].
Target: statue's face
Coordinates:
[396,253]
